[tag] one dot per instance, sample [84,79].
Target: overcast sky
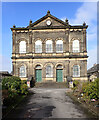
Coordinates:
[19,13]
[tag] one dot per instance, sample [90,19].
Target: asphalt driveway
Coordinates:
[48,103]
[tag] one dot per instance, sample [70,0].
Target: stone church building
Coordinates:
[50,49]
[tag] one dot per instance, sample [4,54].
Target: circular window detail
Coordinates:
[48,22]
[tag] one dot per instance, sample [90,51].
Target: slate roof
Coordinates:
[93,69]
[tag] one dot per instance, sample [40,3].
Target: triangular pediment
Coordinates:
[48,20]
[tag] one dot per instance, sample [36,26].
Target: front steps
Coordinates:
[50,84]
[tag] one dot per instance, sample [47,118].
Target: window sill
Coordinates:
[76,76]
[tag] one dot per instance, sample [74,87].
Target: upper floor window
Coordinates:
[59,46]
[23,71]
[49,71]
[22,47]
[76,71]
[38,46]
[49,47]
[76,46]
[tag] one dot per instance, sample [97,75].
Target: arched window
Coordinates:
[76,71]
[38,46]
[38,67]
[23,71]
[59,67]
[76,46]
[49,47]
[59,46]
[22,47]
[49,71]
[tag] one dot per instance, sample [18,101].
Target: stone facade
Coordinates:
[57,30]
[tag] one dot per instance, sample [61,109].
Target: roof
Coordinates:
[93,69]
[4,72]
[65,24]
[46,16]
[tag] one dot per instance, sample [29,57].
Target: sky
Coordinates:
[20,13]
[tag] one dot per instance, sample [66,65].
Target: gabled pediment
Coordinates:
[50,22]
[47,20]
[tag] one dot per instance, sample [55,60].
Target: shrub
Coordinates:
[12,87]
[24,89]
[11,83]
[75,84]
[91,90]
[23,81]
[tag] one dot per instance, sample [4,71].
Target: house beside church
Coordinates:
[50,49]
[93,72]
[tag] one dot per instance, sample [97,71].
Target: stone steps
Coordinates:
[50,84]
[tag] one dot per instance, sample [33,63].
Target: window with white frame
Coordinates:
[23,71]
[38,46]
[76,46]
[59,46]
[76,71]
[49,47]
[22,47]
[49,71]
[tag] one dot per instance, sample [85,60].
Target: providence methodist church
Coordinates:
[50,49]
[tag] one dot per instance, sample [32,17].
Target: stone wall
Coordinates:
[67,59]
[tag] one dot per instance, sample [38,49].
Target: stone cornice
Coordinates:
[51,27]
[63,26]
[43,57]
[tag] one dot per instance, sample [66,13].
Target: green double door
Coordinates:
[59,75]
[38,75]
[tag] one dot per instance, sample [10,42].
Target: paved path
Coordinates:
[48,103]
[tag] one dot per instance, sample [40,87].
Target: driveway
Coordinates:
[48,103]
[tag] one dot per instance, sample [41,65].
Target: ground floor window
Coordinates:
[49,71]
[22,71]
[76,71]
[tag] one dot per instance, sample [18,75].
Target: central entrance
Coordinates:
[59,74]
[38,73]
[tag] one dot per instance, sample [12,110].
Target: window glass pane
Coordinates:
[49,71]
[49,47]
[59,46]
[22,47]
[22,71]
[76,46]
[38,46]
[76,71]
